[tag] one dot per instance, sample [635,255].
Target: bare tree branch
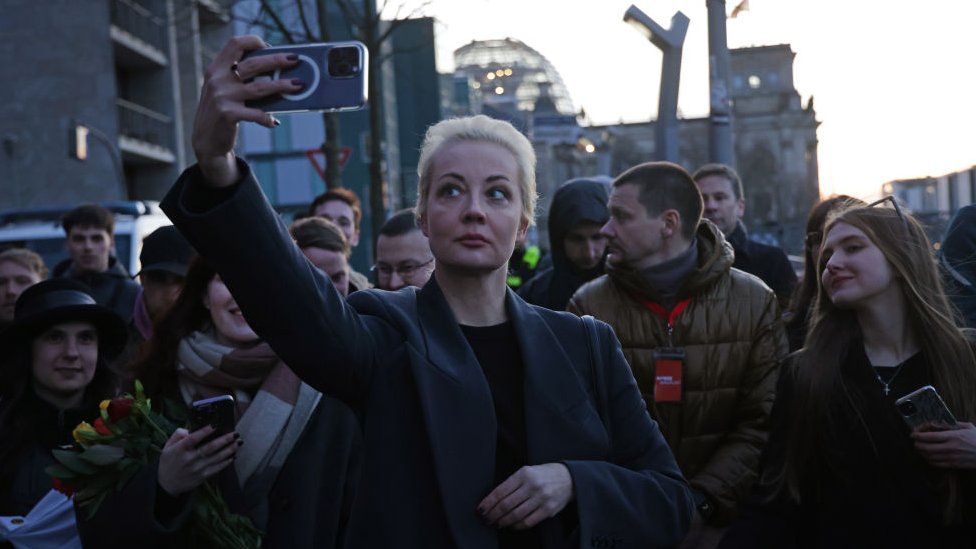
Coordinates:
[266,8]
[301,16]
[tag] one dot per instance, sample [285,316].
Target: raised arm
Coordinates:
[220,208]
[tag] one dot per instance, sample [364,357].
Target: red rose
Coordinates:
[66,488]
[119,408]
[101,428]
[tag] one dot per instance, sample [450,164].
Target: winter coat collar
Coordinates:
[715,258]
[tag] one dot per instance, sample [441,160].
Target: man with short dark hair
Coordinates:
[576,245]
[721,190]
[403,256]
[90,238]
[702,338]
[342,207]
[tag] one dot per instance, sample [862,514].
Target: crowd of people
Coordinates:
[657,380]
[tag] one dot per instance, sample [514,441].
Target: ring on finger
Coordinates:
[233,69]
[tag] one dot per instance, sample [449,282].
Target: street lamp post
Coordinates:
[670,42]
[720,115]
[78,149]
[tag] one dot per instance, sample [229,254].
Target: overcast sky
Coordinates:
[894,81]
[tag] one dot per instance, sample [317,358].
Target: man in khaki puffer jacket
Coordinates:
[710,382]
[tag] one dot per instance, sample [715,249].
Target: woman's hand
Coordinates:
[184,464]
[949,449]
[225,89]
[531,495]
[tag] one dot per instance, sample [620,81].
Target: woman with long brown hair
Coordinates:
[842,469]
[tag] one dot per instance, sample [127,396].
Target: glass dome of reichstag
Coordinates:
[509,72]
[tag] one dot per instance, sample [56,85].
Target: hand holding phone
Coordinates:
[924,407]
[333,75]
[218,412]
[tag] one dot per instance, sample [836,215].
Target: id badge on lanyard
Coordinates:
[669,361]
[669,369]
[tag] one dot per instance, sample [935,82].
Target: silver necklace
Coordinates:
[887,386]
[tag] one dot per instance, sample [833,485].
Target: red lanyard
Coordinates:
[668,316]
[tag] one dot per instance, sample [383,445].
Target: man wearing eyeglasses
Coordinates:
[403,256]
[721,191]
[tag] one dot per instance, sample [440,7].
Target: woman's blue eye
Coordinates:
[449,190]
[497,193]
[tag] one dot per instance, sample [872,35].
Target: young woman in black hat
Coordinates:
[53,360]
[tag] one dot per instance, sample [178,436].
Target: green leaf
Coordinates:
[71,460]
[102,454]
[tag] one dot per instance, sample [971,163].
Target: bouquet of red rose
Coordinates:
[129,435]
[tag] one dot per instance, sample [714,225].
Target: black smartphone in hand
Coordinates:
[218,412]
[334,75]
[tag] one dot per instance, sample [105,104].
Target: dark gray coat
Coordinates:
[400,361]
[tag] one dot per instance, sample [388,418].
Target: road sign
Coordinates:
[314,155]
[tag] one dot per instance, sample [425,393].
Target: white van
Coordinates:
[39,230]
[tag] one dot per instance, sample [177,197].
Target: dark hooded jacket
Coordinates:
[575,201]
[958,263]
[113,288]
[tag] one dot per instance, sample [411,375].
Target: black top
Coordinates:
[767,262]
[497,351]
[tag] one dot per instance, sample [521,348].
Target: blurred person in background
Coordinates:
[325,246]
[958,260]
[19,269]
[342,207]
[576,246]
[403,256]
[721,190]
[90,240]
[798,315]
[165,258]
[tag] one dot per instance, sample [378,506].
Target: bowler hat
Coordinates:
[165,249]
[59,300]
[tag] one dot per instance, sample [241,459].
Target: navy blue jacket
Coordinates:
[400,361]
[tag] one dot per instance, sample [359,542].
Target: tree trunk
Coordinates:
[331,146]
[333,141]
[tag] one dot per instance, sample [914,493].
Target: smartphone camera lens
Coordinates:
[907,409]
[343,62]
